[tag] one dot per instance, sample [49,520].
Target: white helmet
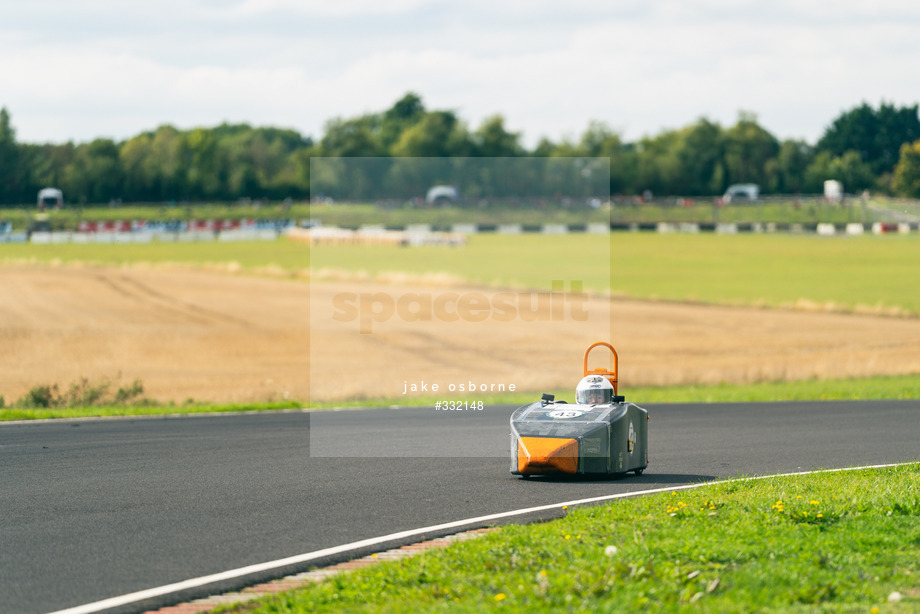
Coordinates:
[594,390]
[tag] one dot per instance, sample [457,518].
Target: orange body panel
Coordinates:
[547,455]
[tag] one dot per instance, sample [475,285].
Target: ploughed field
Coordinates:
[224,336]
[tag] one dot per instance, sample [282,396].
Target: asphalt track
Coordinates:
[93,509]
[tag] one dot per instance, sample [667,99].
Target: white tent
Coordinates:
[50,197]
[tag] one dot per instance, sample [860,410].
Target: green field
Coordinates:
[762,270]
[827,542]
[287,256]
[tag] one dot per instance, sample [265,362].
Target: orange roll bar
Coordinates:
[610,375]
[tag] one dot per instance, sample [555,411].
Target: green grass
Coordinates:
[872,271]
[809,211]
[527,261]
[701,210]
[879,387]
[282,254]
[842,273]
[70,216]
[890,387]
[357,214]
[828,542]
[8,414]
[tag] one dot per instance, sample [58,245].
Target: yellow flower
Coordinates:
[813,502]
[500,596]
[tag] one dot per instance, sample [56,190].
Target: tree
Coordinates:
[7,140]
[205,170]
[876,136]
[701,150]
[907,172]
[860,148]
[166,159]
[748,148]
[600,140]
[544,148]
[658,167]
[492,140]
[95,173]
[351,138]
[11,179]
[849,169]
[438,134]
[136,164]
[293,178]
[404,113]
[45,166]
[788,170]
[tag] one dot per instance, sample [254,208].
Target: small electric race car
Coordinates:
[598,434]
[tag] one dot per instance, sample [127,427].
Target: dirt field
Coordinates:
[223,337]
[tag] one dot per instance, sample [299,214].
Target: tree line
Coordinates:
[865,148]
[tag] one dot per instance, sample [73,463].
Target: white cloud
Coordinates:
[339,8]
[105,68]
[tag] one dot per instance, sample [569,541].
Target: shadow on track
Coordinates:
[646,479]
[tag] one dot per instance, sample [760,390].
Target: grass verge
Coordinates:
[802,210]
[882,387]
[41,413]
[846,541]
[879,387]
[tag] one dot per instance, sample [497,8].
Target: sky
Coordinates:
[76,71]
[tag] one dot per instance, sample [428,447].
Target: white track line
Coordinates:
[159,591]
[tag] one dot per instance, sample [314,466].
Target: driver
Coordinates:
[594,390]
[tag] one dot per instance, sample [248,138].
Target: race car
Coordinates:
[598,434]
